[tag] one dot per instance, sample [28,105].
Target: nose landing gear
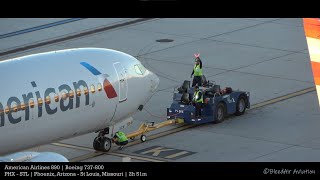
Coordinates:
[102,143]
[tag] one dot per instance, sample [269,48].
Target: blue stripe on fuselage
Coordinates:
[93,70]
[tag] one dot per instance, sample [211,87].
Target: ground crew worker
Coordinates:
[197,72]
[120,139]
[197,100]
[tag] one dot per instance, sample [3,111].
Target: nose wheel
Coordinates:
[96,144]
[101,143]
[105,144]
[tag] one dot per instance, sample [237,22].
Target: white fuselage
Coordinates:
[76,98]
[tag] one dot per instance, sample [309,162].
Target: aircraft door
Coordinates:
[123,84]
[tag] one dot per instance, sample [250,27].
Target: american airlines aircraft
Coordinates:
[312,32]
[56,95]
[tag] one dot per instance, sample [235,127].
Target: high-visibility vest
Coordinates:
[196,95]
[197,70]
[121,136]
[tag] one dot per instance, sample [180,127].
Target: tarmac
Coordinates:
[267,57]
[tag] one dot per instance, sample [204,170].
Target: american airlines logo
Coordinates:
[108,88]
[64,104]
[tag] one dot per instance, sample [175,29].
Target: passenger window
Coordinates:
[99,87]
[85,89]
[92,89]
[23,106]
[56,97]
[71,93]
[31,103]
[15,107]
[7,109]
[40,102]
[78,92]
[48,100]
[64,96]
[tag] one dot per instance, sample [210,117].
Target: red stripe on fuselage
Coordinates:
[108,88]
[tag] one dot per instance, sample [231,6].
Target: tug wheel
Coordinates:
[241,105]
[143,138]
[220,113]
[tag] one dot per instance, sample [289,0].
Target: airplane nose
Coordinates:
[154,82]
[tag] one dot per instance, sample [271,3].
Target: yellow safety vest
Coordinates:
[197,70]
[195,97]
[121,136]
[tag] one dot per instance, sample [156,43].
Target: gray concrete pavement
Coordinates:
[280,132]
[48,33]
[267,57]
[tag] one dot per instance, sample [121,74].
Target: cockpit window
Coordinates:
[137,69]
[140,69]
